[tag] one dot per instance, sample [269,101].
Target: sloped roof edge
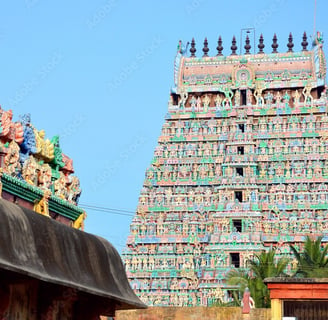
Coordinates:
[48,250]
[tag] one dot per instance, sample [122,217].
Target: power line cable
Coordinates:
[108,210]
[98,207]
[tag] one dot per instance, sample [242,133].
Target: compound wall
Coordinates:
[192,313]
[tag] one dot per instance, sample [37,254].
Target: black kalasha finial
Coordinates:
[219,47]
[290,43]
[233,46]
[192,48]
[274,44]
[304,42]
[247,45]
[261,44]
[205,49]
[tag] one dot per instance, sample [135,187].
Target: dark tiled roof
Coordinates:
[44,249]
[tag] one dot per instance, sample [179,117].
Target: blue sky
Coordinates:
[99,73]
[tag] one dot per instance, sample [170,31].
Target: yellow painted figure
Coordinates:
[42,206]
[79,222]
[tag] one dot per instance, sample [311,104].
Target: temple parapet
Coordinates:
[35,172]
[259,72]
[241,71]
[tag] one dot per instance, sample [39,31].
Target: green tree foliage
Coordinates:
[240,278]
[262,266]
[313,261]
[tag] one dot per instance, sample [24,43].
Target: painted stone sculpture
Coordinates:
[27,156]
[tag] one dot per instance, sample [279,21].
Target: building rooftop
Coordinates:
[270,70]
[35,172]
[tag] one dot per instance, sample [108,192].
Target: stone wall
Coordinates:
[192,313]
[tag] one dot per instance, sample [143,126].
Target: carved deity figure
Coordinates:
[42,205]
[218,100]
[268,99]
[253,196]
[308,99]
[278,98]
[74,190]
[237,98]
[228,171]
[58,156]
[79,222]
[44,147]
[27,147]
[193,103]
[286,98]
[198,105]
[11,161]
[225,225]
[249,96]
[258,95]
[227,101]
[183,100]
[296,98]
[11,130]
[29,171]
[263,172]
[60,186]
[206,102]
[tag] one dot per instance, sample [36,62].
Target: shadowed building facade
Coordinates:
[241,165]
[52,271]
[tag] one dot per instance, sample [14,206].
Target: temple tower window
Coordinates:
[239,196]
[235,259]
[240,171]
[243,97]
[241,127]
[237,225]
[175,99]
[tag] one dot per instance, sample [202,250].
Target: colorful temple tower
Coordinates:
[241,165]
[35,173]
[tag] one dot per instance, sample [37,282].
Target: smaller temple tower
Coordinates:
[35,173]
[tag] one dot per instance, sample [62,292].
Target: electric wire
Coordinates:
[120,212]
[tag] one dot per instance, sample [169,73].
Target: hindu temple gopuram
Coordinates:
[241,165]
[35,173]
